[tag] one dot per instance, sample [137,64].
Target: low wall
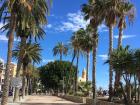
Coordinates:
[76,99]
[99,102]
[88,101]
[135,104]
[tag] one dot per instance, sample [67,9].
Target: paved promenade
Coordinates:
[47,100]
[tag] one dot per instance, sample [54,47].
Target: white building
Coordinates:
[2,68]
[13,67]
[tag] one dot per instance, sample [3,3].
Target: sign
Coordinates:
[16,82]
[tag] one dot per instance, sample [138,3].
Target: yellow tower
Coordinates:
[83,78]
[84,74]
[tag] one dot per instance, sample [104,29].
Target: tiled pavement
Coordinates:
[47,100]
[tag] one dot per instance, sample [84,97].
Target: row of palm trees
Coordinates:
[111,13]
[24,19]
[80,44]
[31,54]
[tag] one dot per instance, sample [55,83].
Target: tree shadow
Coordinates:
[52,104]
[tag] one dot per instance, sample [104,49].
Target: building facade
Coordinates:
[13,67]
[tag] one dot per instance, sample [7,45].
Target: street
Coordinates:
[47,100]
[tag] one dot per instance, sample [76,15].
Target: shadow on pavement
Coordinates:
[51,104]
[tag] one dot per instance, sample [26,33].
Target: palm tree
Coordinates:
[110,14]
[36,32]
[32,74]
[91,11]
[33,28]
[137,59]
[31,54]
[12,22]
[125,10]
[122,60]
[85,87]
[86,46]
[22,9]
[60,49]
[76,47]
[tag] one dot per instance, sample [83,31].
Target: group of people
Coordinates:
[102,93]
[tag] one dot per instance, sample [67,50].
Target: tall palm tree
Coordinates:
[91,12]
[86,46]
[22,9]
[12,22]
[31,53]
[36,17]
[76,47]
[60,49]
[27,34]
[110,14]
[125,10]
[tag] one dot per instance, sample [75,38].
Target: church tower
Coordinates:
[84,74]
[83,78]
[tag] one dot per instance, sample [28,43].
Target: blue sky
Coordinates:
[65,18]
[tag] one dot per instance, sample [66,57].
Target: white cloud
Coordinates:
[1,25]
[4,38]
[103,56]
[2,60]
[47,60]
[125,36]
[74,22]
[102,28]
[49,26]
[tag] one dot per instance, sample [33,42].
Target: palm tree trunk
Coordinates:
[139,92]
[94,75]
[88,65]
[120,36]
[61,56]
[73,59]
[19,64]
[76,73]
[117,74]
[138,76]
[95,43]
[27,87]
[128,90]
[110,65]
[30,86]
[5,93]
[24,81]
[124,94]
[135,81]
[71,78]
